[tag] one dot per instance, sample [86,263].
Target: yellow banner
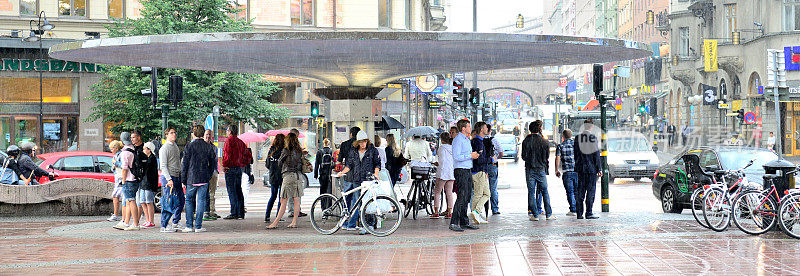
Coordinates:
[710,53]
[736,105]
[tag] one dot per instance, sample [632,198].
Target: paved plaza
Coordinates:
[635,238]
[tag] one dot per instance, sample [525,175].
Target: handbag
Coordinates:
[307,166]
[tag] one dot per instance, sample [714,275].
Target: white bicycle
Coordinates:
[381,215]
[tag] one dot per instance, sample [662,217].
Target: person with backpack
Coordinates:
[9,172]
[131,174]
[322,170]
[275,177]
[27,168]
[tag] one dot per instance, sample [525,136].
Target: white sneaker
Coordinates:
[168,229]
[571,214]
[482,218]
[121,225]
[187,230]
[113,217]
[474,216]
[551,217]
[533,218]
[198,230]
[132,228]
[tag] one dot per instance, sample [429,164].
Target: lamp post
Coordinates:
[36,35]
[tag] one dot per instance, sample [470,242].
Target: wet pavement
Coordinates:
[635,238]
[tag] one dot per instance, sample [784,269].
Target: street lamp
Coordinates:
[42,24]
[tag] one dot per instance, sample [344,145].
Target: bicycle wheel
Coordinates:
[385,223]
[327,220]
[429,186]
[754,213]
[409,199]
[697,206]
[789,215]
[716,210]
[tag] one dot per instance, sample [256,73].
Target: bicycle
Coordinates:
[756,212]
[384,209]
[717,197]
[789,213]
[420,195]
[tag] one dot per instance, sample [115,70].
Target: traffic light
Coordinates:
[569,99]
[597,79]
[175,89]
[649,17]
[654,107]
[740,114]
[642,108]
[458,93]
[314,109]
[153,72]
[475,96]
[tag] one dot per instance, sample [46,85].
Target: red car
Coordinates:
[78,164]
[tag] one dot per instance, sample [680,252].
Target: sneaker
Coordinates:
[199,230]
[434,216]
[474,216]
[533,218]
[478,218]
[208,217]
[345,228]
[170,228]
[113,218]
[166,230]
[215,215]
[550,217]
[121,225]
[148,225]
[187,229]
[363,231]
[177,227]
[132,228]
[570,213]
[448,216]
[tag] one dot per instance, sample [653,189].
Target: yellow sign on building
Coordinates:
[736,105]
[710,54]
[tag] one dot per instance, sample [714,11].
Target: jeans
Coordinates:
[351,202]
[464,185]
[587,184]
[233,182]
[493,188]
[129,190]
[275,188]
[198,195]
[537,181]
[570,180]
[178,190]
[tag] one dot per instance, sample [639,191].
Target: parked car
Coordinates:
[676,180]
[510,144]
[630,156]
[78,164]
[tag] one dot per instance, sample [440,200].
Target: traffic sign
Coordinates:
[722,106]
[209,124]
[749,118]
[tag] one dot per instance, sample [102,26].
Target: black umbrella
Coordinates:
[388,123]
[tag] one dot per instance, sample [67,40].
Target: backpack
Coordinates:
[7,175]
[488,147]
[327,158]
[136,168]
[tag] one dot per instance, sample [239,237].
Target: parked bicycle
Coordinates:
[380,214]
[756,211]
[717,197]
[789,213]
[420,195]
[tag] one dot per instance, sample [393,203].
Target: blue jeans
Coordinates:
[233,182]
[537,181]
[570,180]
[198,195]
[178,190]
[493,188]
[351,201]
[275,188]
[129,190]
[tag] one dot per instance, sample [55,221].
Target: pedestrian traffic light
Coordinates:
[475,96]
[175,89]
[653,107]
[597,79]
[642,108]
[740,114]
[314,109]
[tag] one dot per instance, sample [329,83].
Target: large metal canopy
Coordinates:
[348,58]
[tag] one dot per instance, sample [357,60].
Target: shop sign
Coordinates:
[50,65]
[736,105]
[791,57]
[710,52]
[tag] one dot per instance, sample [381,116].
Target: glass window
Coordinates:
[104,164]
[708,158]
[5,132]
[734,160]
[78,164]
[632,144]
[684,33]
[240,5]
[27,90]
[25,129]
[302,12]
[116,9]
[72,7]
[384,13]
[791,15]
[28,7]
[408,14]
[730,19]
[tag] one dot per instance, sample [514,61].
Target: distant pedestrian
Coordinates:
[444,177]
[211,209]
[116,196]
[685,135]
[147,190]
[381,147]
[363,161]
[565,167]
[291,162]
[275,176]
[418,150]
[394,160]
[453,132]
[480,177]
[462,164]
[771,142]
[587,165]
[322,170]
[536,153]
[232,163]
[199,163]
[495,150]
[671,135]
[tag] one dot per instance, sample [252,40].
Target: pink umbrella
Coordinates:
[274,132]
[252,137]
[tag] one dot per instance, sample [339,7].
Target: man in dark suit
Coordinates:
[588,167]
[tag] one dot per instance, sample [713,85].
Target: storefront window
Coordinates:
[26,90]
[72,7]
[5,131]
[28,7]
[384,13]
[25,130]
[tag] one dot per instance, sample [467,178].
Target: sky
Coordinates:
[491,13]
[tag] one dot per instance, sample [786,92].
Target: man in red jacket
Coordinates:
[232,163]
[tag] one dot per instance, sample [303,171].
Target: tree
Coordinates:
[241,97]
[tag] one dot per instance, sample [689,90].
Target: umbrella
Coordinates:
[388,123]
[423,131]
[252,137]
[275,132]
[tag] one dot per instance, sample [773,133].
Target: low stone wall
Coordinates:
[62,197]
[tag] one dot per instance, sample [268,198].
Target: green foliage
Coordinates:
[241,97]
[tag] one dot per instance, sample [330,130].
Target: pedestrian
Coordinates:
[232,163]
[211,209]
[363,161]
[169,157]
[147,190]
[480,177]
[444,177]
[462,166]
[128,157]
[671,135]
[322,170]
[587,165]
[394,162]
[199,163]
[453,132]
[116,196]
[9,173]
[536,153]
[381,147]
[290,210]
[565,167]
[291,162]
[771,142]
[247,173]
[685,134]
[27,168]
[496,150]
[275,176]
[418,151]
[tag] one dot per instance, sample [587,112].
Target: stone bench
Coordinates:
[62,197]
